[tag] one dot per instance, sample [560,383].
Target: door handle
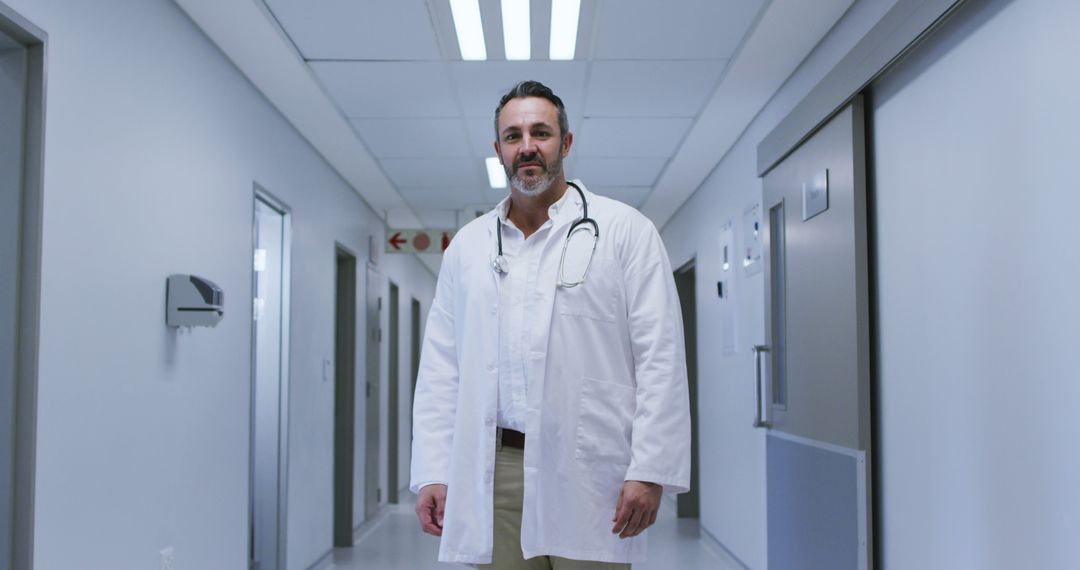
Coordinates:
[759,349]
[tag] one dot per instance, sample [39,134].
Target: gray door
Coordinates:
[815,370]
[269,387]
[12,104]
[688,505]
[372,495]
[344,397]
[393,398]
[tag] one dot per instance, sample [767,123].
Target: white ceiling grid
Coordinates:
[643,72]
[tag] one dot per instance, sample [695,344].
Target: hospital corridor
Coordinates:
[543,284]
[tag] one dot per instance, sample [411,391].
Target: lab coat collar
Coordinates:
[571,196]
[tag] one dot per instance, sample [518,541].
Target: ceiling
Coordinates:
[657,92]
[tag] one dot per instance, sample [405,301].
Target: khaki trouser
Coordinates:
[509,494]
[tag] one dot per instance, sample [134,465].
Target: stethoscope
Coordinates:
[502,266]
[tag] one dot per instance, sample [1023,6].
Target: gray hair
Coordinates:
[531,88]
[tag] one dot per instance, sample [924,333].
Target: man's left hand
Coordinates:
[636,508]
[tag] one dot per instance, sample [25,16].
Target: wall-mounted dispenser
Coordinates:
[192,301]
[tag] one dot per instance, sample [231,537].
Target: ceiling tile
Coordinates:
[436,173]
[643,29]
[650,88]
[632,195]
[482,84]
[402,138]
[602,172]
[347,29]
[639,137]
[481,135]
[450,198]
[388,89]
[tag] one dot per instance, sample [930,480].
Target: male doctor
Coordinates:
[551,409]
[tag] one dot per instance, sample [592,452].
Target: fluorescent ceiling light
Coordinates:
[516,33]
[496,174]
[470,31]
[564,23]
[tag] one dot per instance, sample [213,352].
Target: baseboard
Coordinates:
[323,563]
[721,551]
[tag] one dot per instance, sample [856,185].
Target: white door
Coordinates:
[815,381]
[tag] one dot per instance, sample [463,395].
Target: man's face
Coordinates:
[530,146]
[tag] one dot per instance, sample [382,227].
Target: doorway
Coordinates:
[268,482]
[394,415]
[814,398]
[372,493]
[688,505]
[22,85]
[415,347]
[344,396]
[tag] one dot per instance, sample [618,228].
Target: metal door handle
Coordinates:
[758,350]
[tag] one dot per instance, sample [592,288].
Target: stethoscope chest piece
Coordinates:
[499,264]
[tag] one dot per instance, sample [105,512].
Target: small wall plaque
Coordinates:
[815,195]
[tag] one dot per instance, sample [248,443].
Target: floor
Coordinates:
[393,541]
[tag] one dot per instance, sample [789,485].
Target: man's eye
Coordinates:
[510,137]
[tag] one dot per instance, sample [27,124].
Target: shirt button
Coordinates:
[491,367]
[489,422]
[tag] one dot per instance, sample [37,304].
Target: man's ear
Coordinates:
[567,141]
[498,152]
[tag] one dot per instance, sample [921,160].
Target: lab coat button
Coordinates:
[487,477]
[489,421]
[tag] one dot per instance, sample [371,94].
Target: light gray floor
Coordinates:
[393,541]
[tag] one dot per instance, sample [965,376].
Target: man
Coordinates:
[551,409]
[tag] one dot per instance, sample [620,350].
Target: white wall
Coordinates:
[975,145]
[422,287]
[153,144]
[732,452]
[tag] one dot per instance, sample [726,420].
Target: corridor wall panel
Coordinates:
[153,144]
[975,141]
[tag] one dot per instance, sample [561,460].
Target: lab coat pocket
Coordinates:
[595,298]
[605,419]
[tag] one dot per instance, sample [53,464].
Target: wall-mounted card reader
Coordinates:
[192,301]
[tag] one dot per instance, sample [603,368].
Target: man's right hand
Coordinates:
[430,505]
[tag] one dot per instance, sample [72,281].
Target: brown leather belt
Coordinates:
[511,438]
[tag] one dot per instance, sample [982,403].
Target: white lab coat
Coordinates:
[607,392]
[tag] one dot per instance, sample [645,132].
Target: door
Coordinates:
[814,380]
[688,505]
[269,386]
[372,494]
[13,63]
[22,130]
[344,396]
[393,398]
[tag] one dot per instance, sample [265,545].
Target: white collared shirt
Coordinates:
[518,299]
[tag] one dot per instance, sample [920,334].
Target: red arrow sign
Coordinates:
[396,240]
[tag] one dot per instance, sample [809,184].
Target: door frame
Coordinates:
[260,193]
[28,316]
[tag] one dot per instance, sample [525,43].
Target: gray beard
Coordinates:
[536,186]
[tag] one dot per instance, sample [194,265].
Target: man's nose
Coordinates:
[528,145]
